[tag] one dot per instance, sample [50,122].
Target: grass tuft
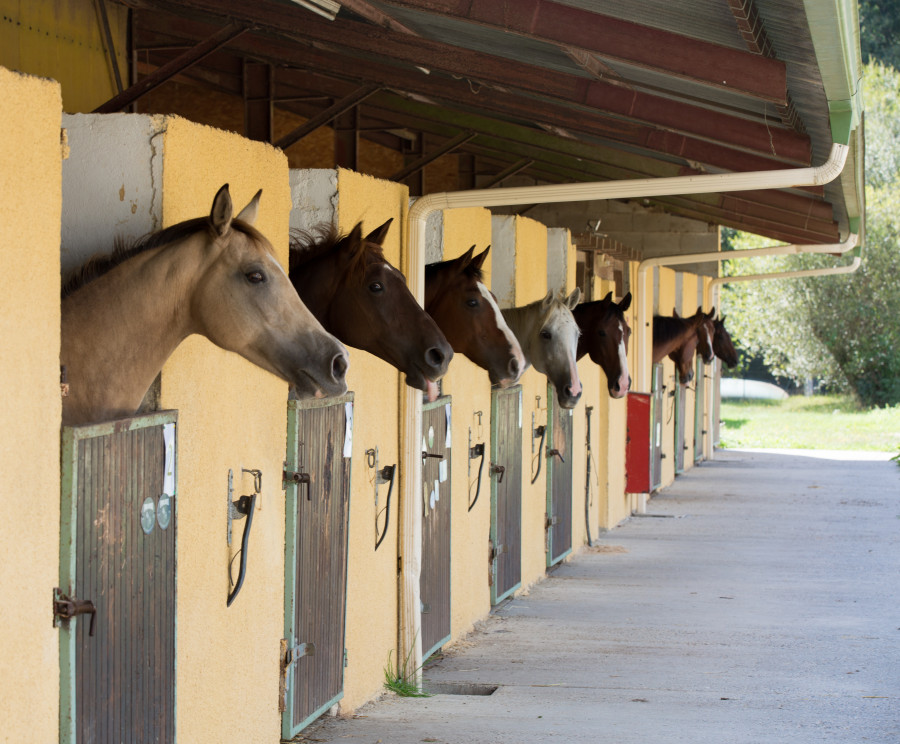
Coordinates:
[401,680]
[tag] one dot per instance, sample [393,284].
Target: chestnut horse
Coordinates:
[359,297]
[548,333]
[677,338]
[468,314]
[604,336]
[722,344]
[124,314]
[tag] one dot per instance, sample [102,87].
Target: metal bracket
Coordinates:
[497,470]
[289,656]
[65,608]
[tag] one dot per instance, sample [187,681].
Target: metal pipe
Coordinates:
[414,268]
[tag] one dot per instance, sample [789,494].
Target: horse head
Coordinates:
[549,334]
[244,302]
[364,301]
[468,314]
[604,337]
[705,335]
[722,344]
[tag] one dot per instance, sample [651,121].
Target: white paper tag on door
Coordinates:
[448,443]
[169,471]
[348,429]
[442,471]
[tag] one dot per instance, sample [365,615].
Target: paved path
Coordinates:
[760,605]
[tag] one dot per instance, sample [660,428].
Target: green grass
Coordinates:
[816,422]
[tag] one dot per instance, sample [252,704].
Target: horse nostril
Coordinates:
[513,367]
[617,387]
[339,366]
[435,357]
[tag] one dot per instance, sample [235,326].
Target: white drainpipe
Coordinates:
[414,268]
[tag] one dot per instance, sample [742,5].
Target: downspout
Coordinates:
[414,268]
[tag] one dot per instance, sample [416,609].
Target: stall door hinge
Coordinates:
[289,656]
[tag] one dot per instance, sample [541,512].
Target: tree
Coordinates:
[879,31]
[843,330]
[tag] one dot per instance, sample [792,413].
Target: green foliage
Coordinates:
[842,330]
[879,31]
[402,680]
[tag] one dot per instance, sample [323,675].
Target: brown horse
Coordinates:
[359,297]
[124,314]
[604,336]
[677,338]
[722,344]
[705,332]
[468,314]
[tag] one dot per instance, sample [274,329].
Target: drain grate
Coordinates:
[460,688]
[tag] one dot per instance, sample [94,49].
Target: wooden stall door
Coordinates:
[680,424]
[559,479]
[506,492]
[434,580]
[320,436]
[118,552]
[699,405]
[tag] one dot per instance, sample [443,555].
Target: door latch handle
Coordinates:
[556,453]
[498,470]
[65,608]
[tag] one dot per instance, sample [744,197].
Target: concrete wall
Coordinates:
[231,415]
[30,205]
[343,198]
[524,242]
[63,40]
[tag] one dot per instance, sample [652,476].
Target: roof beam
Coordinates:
[753,75]
[336,109]
[431,156]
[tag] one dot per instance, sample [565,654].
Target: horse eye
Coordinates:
[255,277]
[376,287]
[546,335]
[472,302]
[601,332]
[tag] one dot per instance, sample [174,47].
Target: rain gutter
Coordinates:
[414,269]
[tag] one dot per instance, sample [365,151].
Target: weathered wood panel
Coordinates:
[506,492]
[559,480]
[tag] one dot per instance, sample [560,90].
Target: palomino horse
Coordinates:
[549,336]
[604,336]
[124,314]
[722,345]
[468,314]
[677,338]
[359,297]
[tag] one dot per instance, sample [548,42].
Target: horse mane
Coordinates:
[123,250]
[667,328]
[308,245]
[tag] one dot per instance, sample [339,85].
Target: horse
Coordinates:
[705,333]
[359,297]
[604,336]
[468,314]
[124,314]
[722,344]
[677,338]
[548,333]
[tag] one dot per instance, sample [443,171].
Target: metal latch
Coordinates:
[550,521]
[289,476]
[555,453]
[65,608]
[498,470]
[289,656]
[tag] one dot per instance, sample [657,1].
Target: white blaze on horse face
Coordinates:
[503,326]
[624,377]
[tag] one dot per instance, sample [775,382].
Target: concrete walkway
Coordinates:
[760,604]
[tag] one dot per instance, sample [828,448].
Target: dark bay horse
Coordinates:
[722,344]
[604,336]
[359,297]
[124,314]
[677,338]
[705,333]
[468,314]
[548,333]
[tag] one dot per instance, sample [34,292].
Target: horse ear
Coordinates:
[547,301]
[463,261]
[711,314]
[352,243]
[248,213]
[220,214]
[721,318]
[675,313]
[478,261]
[378,235]
[625,303]
[572,300]
[608,297]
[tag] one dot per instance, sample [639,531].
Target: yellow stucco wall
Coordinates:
[470,388]
[63,40]
[231,416]
[30,208]
[372,586]
[689,307]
